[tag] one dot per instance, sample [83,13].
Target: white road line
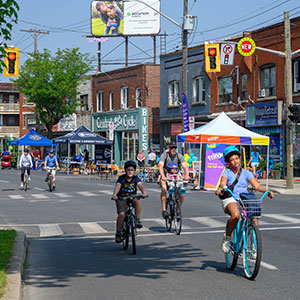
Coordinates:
[47,230]
[111,186]
[268,266]
[208,221]
[107,192]
[163,223]
[153,190]
[282,218]
[90,228]
[87,194]
[16,196]
[39,196]
[4,181]
[62,195]
[39,189]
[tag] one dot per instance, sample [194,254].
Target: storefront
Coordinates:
[129,129]
[266,119]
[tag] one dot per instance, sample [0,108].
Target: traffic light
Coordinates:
[295,113]
[212,58]
[11,61]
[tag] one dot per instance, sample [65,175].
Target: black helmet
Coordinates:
[26,150]
[130,163]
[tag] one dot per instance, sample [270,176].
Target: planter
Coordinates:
[277,174]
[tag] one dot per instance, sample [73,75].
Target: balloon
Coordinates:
[192,154]
[189,160]
[194,158]
[158,158]
[10,147]
[190,165]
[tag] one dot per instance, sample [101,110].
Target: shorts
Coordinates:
[53,171]
[254,164]
[226,201]
[122,206]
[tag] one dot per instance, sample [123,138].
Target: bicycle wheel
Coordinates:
[50,184]
[132,233]
[231,258]
[25,181]
[125,234]
[169,219]
[177,217]
[252,251]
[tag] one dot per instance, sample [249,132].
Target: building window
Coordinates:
[11,121]
[296,76]
[84,102]
[1,98]
[124,97]
[100,101]
[138,100]
[199,89]
[225,89]
[174,93]
[267,81]
[130,143]
[1,120]
[244,87]
[11,98]
[111,100]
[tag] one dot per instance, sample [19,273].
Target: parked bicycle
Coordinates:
[173,206]
[129,224]
[245,239]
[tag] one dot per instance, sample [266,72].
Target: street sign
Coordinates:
[227,54]
[246,46]
[192,126]
[191,119]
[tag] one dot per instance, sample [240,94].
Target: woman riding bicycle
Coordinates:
[25,163]
[127,185]
[232,159]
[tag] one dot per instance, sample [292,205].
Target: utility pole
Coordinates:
[289,100]
[35,35]
[184,50]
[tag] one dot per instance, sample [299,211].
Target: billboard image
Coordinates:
[125,17]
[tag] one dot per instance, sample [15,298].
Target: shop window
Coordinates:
[174,93]
[100,101]
[130,142]
[297,76]
[267,81]
[244,79]
[111,100]
[124,97]
[199,89]
[138,100]
[225,89]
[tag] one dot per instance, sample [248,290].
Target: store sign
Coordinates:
[185,113]
[120,122]
[144,129]
[264,114]
[176,128]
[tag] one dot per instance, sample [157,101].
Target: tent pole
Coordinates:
[267,183]
[68,157]
[200,167]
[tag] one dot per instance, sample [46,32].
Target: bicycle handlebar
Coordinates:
[131,198]
[262,197]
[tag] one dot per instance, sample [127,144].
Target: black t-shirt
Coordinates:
[128,187]
[86,156]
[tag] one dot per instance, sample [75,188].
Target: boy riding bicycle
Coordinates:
[127,185]
[230,206]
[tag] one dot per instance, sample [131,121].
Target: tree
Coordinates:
[51,83]
[8,15]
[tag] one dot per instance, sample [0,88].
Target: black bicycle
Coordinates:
[173,206]
[26,179]
[50,178]
[129,224]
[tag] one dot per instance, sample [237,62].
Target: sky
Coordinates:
[69,20]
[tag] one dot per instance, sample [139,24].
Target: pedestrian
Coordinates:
[255,158]
[86,159]
[141,159]
[151,158]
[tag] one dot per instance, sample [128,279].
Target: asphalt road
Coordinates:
[72,254]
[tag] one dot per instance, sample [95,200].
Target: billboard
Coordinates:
[125,17]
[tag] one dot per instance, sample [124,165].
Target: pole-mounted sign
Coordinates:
[246,46]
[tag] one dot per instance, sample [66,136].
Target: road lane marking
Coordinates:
[62,195]
[47,230]
[210,222]
[92,227]
[268,266]
[282,218]
[87,194]
[39,189]
[39,196]
[107,185]
[153,190]
[4,181]
[163,223]
[107,192]
[16,197]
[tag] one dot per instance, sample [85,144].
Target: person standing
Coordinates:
[25,163]
[255,158]
[141,159]
[86,160]
[152,158]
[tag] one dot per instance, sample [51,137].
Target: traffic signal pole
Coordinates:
[289,101]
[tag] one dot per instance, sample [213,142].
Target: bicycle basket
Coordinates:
[252,204]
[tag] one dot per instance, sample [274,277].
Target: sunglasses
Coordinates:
[173,147]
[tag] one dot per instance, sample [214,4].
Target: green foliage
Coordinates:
[262,165]
[51,83]
[8,15]
[278,166]
[7,238]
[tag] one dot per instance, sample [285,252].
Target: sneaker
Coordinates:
[29,178]
[253,254]
[46,179]
[118,237]
[53,187]
[226,244]
[139,225]
[21,185]
[165,214]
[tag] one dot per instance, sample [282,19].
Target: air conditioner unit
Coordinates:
[262,93]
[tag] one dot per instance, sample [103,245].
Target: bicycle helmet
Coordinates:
[229,151]
[130,163]
[172,165]
[26,150]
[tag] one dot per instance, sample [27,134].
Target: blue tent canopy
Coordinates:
[32,138]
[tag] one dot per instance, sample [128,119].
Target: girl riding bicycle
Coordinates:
[232,159]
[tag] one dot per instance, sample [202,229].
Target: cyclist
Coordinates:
[51,162]
[167,157]
[25,163]
[127,185]
[232,159]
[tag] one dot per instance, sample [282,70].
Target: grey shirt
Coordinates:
[166,159]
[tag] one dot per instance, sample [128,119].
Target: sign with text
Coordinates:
[246,46]
[185,113]
[176,128]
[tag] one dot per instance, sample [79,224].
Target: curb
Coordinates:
[14,272]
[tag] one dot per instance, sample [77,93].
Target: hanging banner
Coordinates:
[185,113]
[214,165]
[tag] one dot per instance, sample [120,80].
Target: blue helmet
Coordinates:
[172,165]
[229,151]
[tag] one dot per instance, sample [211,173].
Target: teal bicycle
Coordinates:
[245,239]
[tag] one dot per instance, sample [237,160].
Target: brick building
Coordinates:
[129,98]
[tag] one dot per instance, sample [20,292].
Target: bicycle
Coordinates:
[26,179]
[129,224]
[246,239]
[50,179]
[173,206]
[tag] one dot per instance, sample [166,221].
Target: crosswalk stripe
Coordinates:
[163,223]
[153,190]
[210,222]
[39,196]
[107,192]
[87,194]
[16,196]
[282,218]
[62,195]
[47,230]
[90,228]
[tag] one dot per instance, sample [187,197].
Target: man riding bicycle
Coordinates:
[25,164]
[166,158]
[51,162]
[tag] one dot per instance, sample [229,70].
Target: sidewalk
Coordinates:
[279,186]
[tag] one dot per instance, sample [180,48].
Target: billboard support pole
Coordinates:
[99,57]
[126,51]
[154,49]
